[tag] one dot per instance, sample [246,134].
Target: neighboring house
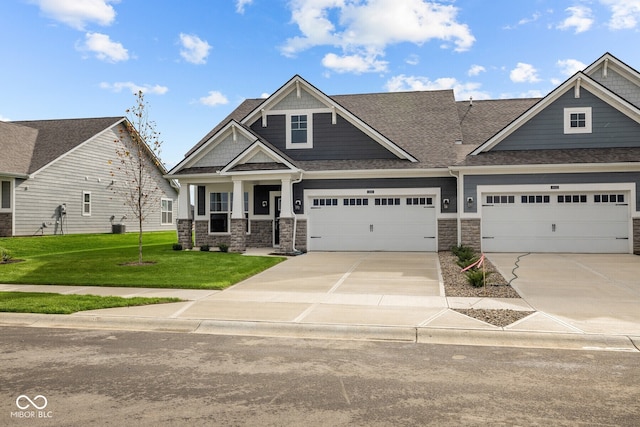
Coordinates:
[418,171]
[56,179]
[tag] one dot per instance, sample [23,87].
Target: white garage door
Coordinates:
[380,223]
[585,222]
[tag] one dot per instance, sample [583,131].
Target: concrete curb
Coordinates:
[408,334]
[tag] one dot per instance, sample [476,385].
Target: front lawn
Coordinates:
[45,303]
[97,260]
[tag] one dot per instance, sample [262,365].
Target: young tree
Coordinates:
[137,151]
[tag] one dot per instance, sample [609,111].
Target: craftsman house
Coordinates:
[419,171]
[56,179]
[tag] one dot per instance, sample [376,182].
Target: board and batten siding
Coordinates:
[610,127]
[84,169]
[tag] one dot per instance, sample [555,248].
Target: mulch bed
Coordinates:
[456,285]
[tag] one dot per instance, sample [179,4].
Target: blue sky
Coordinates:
[197,60]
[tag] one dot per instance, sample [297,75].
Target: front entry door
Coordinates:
[276,220]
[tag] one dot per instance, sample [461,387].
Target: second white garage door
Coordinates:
[578,222]
[380,223]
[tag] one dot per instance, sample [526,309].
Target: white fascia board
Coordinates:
[32,175]
[252,150]
[377,173]
[537,169]
[618,66]
[586,82]
[330,103]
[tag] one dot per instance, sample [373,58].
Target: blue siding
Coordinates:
[610,127]
[472,182]
[341,141]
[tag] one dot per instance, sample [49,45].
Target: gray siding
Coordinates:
[447,185]
[341,141]
[472,182]
[65,180]
[618,84]
[611,128]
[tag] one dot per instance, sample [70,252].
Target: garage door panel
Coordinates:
[394,226]
[552,223]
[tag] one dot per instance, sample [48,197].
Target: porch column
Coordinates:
[286,217]
[185,222]
[238,222]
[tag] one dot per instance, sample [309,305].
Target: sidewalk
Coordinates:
[366,296]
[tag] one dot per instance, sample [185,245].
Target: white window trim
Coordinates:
[246,212]
[84,204]
[11,190]
[170,211]
[567,120]
[309,144]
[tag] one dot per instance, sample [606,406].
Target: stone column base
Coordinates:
[185,233]
[286,235]
[238,235]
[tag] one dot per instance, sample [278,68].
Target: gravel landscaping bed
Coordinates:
[456,285]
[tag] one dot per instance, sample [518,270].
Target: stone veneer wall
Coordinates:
[204,238]
[636,236]
[185,233]
[238,235]
[6,229]
[470,230]
[301,235]
[261,235]
[447,234]
[286,235]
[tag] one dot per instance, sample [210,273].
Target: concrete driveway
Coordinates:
[590,293]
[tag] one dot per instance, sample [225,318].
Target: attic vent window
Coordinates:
[577,120]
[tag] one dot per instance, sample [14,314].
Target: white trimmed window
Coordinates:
[299,130]
[86,203]
[220,211]
[577,120]
[166,209]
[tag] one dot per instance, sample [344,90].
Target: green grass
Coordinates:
[32,302]
[96,260]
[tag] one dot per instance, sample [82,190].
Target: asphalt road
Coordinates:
[83,378]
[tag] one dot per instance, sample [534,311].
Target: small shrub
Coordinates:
[464,263]
[204,248]
[464,253]
[223,247]
[5,255]
[177,246]
[476,277]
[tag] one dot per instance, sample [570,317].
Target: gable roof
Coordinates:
[424,124]
[54,138]
[16,144]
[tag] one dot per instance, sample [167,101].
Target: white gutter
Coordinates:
[460,204]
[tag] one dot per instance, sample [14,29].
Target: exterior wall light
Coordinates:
[469,202]
[445,204]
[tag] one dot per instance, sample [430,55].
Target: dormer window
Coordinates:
[299,131]
[577,120]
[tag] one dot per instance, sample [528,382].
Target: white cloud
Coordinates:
[134,88]
[413,59]
[370,27]
[524,21]
[476,69]
[78,13]
[194,49]
[104,49]
[416,83]
[4,119]
[569,67]
[580,18]
[265,95]
[240,5]
[354,63]
[625,13]
[214,98]
[524,73]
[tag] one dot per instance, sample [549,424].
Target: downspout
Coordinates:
[459,204]
[295,218]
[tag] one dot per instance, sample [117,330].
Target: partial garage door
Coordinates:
[380,223]
[585,222]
